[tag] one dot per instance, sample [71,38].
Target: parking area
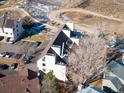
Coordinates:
[20,47]
[11,53]
[26,50]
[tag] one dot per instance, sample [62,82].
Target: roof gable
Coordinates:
[114,81]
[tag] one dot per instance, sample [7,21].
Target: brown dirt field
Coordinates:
[99,23]
[114,8]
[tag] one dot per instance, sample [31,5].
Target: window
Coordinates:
[6,33]
[17,34]
[17,25]
[44,70]
[43,59]
[17,30]
[10,33]
[44,64]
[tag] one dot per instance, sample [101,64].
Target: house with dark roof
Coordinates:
[25,82]
[55,56]
[113,80]
[10,29]
[115,69]
[112,84]
[2,1]
[89,89]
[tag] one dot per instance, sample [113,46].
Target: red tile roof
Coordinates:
[19,84]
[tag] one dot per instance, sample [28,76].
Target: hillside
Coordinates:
[107,7]
[73,3]
[114,8]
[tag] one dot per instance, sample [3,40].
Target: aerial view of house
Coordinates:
[56,57]
[11,30]
[61,46]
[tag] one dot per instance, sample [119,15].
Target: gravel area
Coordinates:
[39,9]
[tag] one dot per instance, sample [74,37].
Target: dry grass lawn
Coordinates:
[40,38]
[43,36]
[96,23]
[114,8]
[5,60]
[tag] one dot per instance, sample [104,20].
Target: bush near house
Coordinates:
[27,22]
[51,85]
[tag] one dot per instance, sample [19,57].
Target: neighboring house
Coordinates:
[25,82]
[116,69]
[111,84]
[2,1]
[55,56]
[113,80]
[11,29]
[90,89]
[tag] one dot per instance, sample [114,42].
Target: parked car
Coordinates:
[9,54]
[13,66]
[37,43]
[2,54]
[17,56]
[3,66]
[28,59]
[10,40]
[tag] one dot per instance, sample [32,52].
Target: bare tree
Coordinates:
[87,59]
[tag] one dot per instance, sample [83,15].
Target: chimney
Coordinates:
[62,49]
[123,58]
[4,21]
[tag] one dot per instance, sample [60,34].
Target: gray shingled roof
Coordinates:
[91,89]
[50,44]
[117,69]
[116,82]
